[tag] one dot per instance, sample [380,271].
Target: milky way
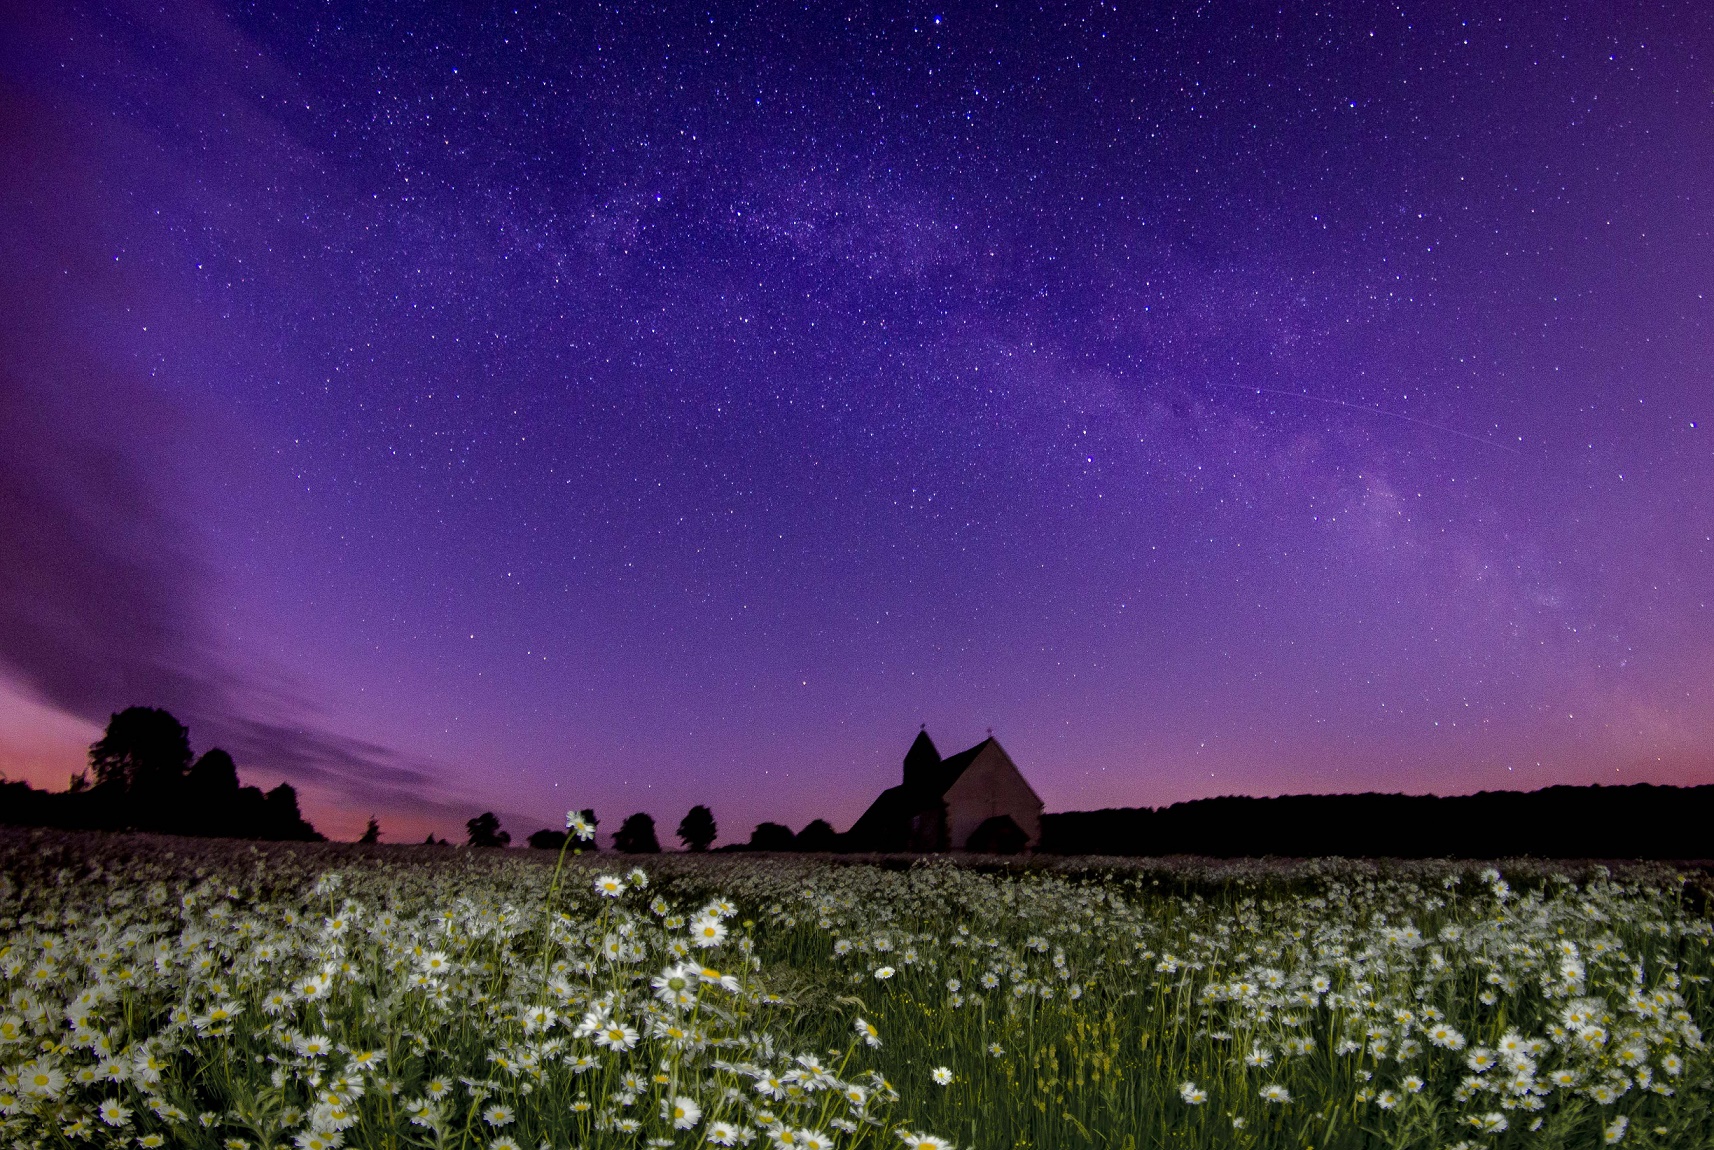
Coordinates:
[683,404]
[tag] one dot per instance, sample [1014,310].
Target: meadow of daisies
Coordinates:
[162,992]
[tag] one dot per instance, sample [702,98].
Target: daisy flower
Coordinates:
[682,1112]
[708,931]
[917,1141]
[616,1036]
[312,1045]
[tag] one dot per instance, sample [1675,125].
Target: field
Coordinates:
[237,997]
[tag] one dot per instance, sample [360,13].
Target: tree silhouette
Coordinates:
[698,829]
[144,752]
[485,831]
[637,836]
[214,775]
[281,819]
[547,839]
[817,836]
[210,801]
[372,832]
[145,779]
[772,837]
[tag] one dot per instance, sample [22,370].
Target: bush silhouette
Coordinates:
[817,836]
[547,839]
[485,831]
[772,837]
[637,836]
[372,832]
[698,829]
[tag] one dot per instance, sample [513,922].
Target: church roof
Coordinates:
[891,809]
[917,816]
[924,790]
[949,770]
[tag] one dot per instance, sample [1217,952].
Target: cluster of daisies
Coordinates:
[1433,1001]
[159,992]
[248,999]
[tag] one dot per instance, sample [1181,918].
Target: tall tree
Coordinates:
[213,775]
[372,832]
[485,831]
[698,828]
[144,751]
[281,819]
[636,836]
[209,802]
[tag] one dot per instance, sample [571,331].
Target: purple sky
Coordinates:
[537,410]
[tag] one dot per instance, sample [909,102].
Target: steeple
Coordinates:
[921,759]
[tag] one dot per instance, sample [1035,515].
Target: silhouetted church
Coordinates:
[976,801]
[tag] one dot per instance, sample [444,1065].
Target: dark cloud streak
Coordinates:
[105,598]
[100,594]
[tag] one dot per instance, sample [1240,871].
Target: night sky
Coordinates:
[643,406]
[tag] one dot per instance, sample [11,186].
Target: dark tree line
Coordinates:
[818,835]
[143,776]
[636,835]
[697,831]
[146,779]
[1624,822]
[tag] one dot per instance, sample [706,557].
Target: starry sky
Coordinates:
[463,407]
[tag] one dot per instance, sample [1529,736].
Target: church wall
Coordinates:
[989,786]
